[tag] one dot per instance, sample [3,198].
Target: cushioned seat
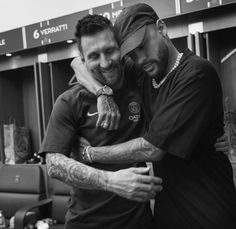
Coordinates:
[21,185]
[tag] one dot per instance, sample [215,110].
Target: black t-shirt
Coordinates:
[75,114]
[186,115]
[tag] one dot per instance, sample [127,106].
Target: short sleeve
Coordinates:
[61,129]
[182,119]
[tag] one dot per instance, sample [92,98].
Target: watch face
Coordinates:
[107,90]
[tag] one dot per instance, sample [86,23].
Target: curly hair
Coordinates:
[90,25]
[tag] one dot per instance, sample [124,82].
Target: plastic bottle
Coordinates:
[2,220]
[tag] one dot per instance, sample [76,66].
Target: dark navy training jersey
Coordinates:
[75,115]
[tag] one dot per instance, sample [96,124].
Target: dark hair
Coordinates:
[90,25]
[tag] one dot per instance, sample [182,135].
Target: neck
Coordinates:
[173,67]
[173,54]
[119,84]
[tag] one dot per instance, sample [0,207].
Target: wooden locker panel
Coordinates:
[200,45]
[181,43]
[18,99]
[61,73]
[212,50]
[191,42]
[228,69]
[45,93]
[38,103]
[221,46]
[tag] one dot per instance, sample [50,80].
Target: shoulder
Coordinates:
[193,62]
[194,66]
[75,94]
[72,102]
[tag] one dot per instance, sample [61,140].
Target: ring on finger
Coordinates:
[104,124]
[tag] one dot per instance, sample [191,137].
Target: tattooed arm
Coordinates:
[136,150]
[84,76]
[108,112]
[75,173]
[132,183]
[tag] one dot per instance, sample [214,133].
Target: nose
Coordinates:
[138,56]
[105,62]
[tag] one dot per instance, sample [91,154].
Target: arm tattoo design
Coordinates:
[136,150]
[75,173]
[108,103]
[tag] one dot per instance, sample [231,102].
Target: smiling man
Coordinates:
[100,199]
[183,103]
[95,51]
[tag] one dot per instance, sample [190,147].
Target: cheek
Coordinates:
[92,66]
[153,52]
[116,58]
[163,55]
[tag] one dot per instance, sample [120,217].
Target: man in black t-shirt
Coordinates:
[183,102]
[99,199]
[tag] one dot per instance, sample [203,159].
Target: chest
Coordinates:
[131,124]
[154,98]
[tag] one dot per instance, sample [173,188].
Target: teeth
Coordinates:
[107,71]
[147,67]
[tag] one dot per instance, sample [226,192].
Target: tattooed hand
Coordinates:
[134,184]
[108,113]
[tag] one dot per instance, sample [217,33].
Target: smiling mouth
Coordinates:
[147,67]
[107,71]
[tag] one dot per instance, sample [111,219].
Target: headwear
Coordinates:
[131,24]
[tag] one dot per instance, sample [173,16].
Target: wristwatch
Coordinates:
[105,90]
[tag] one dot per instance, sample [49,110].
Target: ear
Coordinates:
[161,27]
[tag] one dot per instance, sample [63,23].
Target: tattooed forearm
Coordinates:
[136,150]
[84,76]
[75,173]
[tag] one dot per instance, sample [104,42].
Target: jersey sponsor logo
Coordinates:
[134,118]
[92,114]
[134,108]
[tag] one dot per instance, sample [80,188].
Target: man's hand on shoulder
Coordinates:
[108,113]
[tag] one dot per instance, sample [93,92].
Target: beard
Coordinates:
[161,66]
[110,78]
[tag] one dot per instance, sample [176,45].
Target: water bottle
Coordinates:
[2,220]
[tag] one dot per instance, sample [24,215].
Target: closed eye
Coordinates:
[110,50]
[93,56]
